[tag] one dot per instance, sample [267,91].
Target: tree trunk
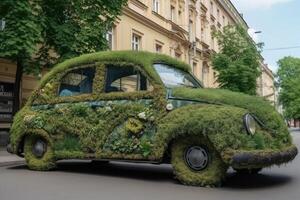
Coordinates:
[17,86]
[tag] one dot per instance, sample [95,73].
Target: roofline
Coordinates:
[237,18]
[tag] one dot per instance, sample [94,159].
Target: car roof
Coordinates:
[143,59]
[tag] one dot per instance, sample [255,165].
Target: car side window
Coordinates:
[125,79]
[77,82]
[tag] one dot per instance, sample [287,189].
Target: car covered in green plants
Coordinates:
[145,107]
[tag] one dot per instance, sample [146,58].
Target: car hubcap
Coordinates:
[196,158]
[39,148]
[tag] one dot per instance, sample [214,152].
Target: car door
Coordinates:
[129,113]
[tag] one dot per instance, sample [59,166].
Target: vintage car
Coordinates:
[147,108]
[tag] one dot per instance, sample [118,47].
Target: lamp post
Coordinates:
[2,24]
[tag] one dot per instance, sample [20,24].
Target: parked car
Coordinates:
[144,107]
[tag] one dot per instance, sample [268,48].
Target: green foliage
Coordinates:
[289,82]
[134,126]
[238,61]
[68,143]
[44,32]
[265,112]
[78,27]
[23,29]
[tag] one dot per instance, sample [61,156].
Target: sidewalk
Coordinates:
[294,130]
[9,159]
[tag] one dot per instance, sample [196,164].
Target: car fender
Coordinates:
[220,125]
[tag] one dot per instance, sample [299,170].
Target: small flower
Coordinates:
[152,118]
[142,115]
[108,108]
[28,118]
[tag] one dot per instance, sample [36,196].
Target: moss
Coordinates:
[265,112]
[134,126]
[47,162]
[212,175]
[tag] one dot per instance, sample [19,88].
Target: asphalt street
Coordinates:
[84,181]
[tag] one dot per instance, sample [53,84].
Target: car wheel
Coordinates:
[38,153]
[248,171]
[196,162]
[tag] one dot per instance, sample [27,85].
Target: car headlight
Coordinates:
[250,124]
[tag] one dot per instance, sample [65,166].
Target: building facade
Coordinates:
[179,28]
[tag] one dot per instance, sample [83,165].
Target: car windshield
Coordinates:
[173,77]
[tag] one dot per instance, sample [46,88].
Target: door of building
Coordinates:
[6,109]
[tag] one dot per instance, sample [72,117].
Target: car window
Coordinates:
[125,79]
[76,82]
[172,77]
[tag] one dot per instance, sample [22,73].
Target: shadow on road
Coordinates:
[163,173]
[256,181]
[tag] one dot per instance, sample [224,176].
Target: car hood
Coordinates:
[261,108]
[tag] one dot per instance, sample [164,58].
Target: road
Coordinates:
[84,181]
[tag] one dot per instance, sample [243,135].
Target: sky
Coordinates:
[279,21]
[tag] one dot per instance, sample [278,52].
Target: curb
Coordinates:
[5,164]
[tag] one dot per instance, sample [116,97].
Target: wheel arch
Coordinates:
[31,132]
[198,120]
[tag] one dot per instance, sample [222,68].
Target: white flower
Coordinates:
[28,118]
[142,115]
[152,118]
[108,108]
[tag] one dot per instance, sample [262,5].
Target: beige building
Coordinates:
[179,28]
[266,87]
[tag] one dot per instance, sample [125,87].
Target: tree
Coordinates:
[78,27]
[19,39]
[40,33]
[237,63]
[289,82]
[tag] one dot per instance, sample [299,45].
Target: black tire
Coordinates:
[248,171]
[196,162]
[38,160]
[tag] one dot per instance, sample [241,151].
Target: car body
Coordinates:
[145,107]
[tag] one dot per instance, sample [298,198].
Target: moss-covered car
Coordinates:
[144,107]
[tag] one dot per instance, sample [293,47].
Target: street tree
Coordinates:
[237,63]
[40,33]
[20,36]
[289,82]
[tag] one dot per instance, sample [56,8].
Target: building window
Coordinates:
[158,48]
[136,42]
[155,5]
[211,8]
[110,38]
[191,24]
[205,74]
[218,15]
[194,68]
[177,55]
[179,16]
[172,13]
